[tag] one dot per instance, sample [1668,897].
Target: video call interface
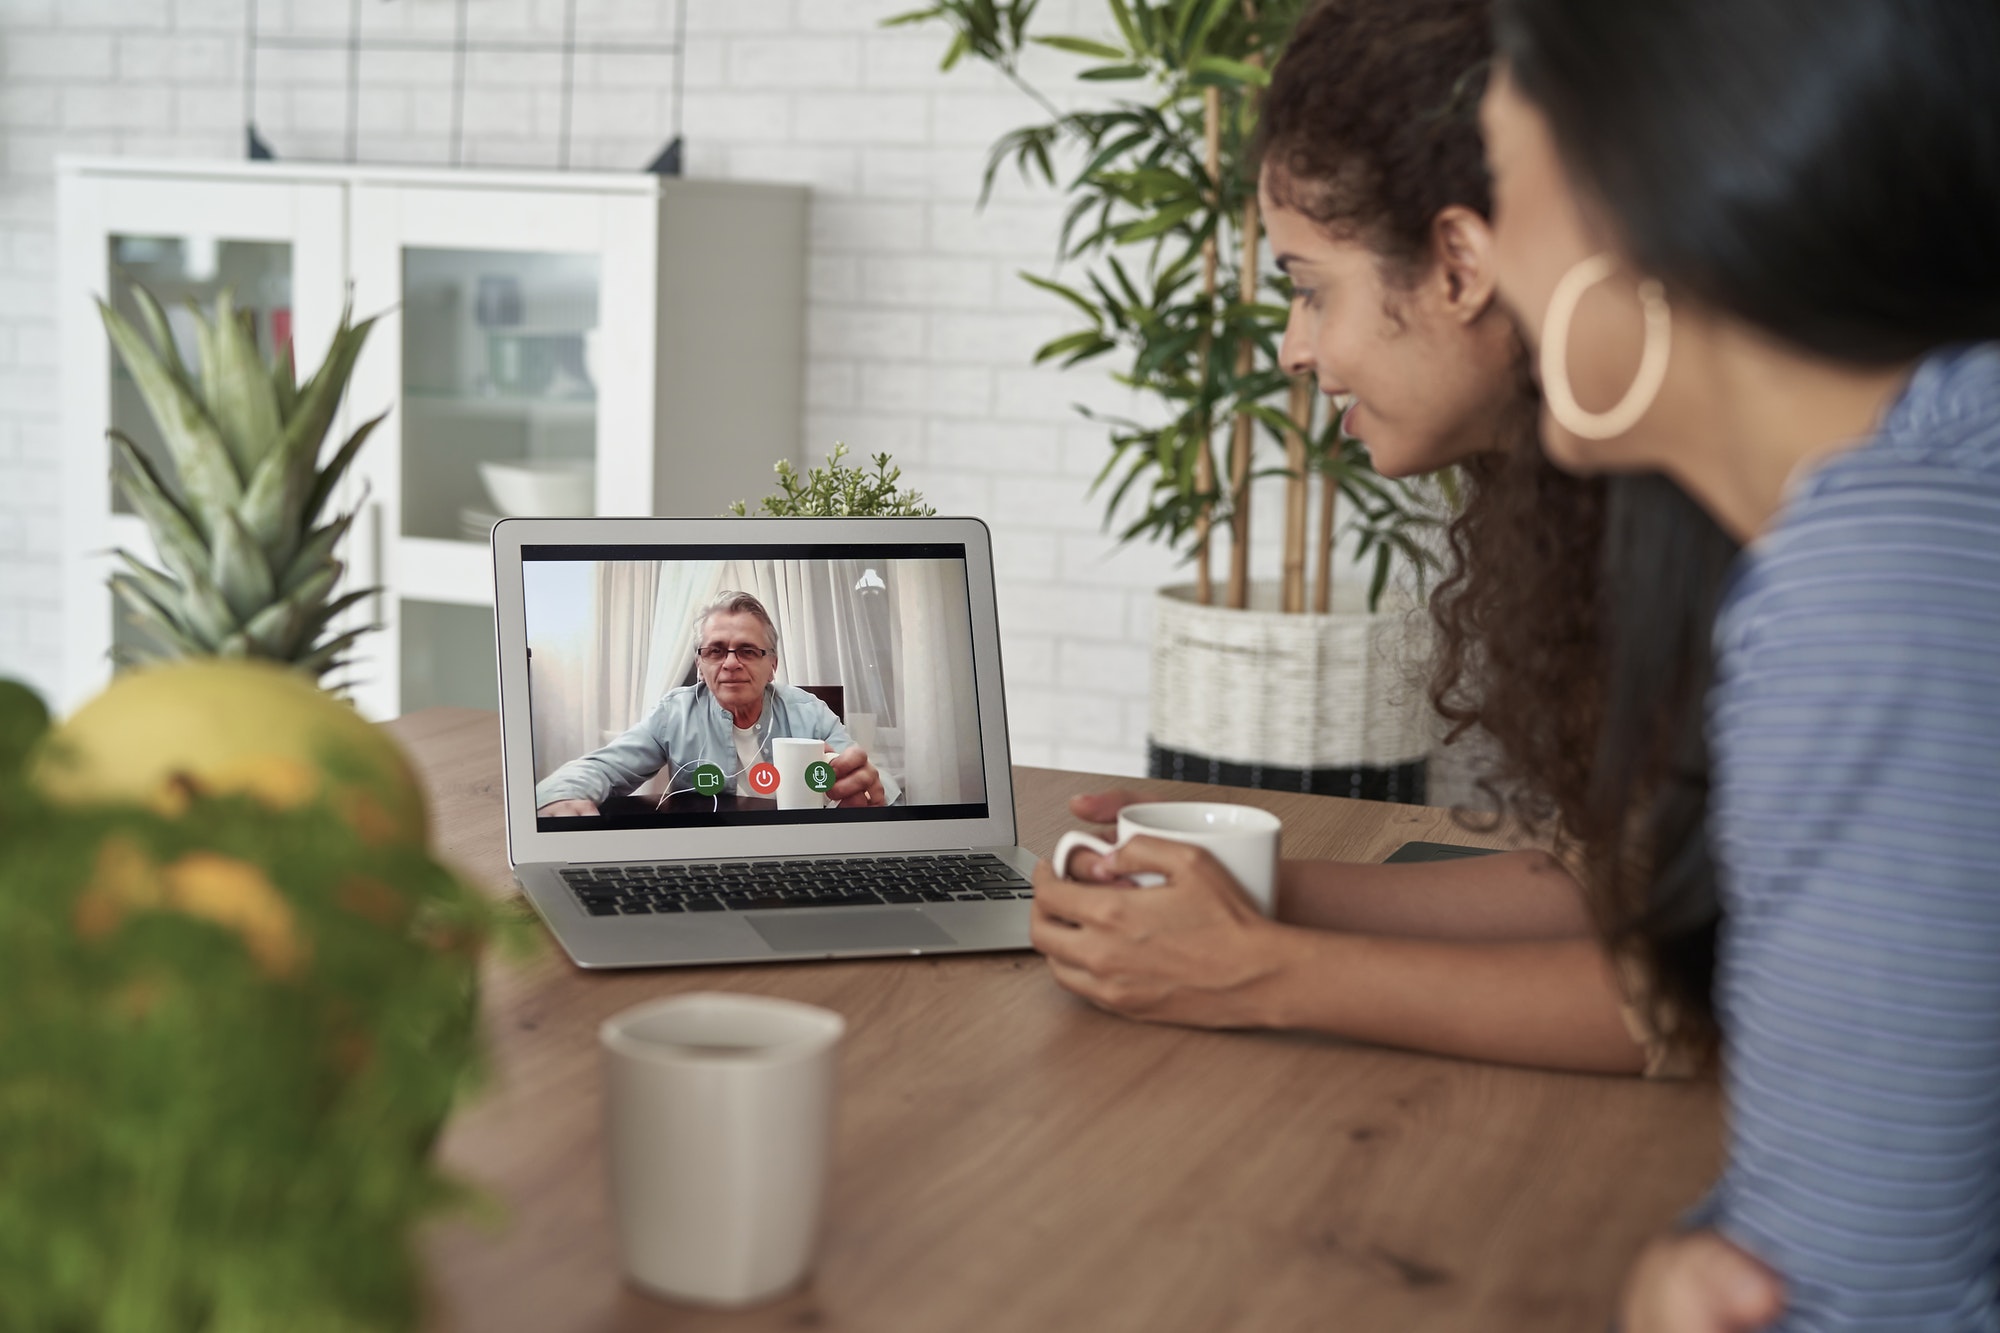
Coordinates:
[700,686]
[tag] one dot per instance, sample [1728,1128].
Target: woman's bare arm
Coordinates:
[1488,958]
[1506,896]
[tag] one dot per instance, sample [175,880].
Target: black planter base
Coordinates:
[1400,782]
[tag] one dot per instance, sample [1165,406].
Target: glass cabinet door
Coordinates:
[499,399]
[505,365]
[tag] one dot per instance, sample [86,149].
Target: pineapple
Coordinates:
[250,568]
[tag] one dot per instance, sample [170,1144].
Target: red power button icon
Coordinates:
[764,778]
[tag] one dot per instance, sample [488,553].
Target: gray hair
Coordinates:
[734,603]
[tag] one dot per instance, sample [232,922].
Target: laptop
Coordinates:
[818,769]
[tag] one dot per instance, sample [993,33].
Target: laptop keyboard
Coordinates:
[755,886]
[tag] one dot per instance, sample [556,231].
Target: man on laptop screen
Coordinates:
[665,694]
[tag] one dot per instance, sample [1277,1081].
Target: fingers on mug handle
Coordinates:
[1072,842]
[1103,807]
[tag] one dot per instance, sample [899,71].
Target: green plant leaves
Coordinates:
[1145,224]
[835,490]
[1081,46]
[1223,71]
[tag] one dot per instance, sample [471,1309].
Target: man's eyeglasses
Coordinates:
[715,652]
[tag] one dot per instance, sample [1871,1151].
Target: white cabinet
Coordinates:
[610,344]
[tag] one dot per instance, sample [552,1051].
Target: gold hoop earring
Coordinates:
[1638,399]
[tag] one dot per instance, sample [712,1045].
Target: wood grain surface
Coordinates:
[1008,1158]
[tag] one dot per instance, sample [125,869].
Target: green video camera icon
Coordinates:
[708,780]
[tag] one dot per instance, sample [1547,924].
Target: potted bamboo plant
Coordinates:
[1162,251]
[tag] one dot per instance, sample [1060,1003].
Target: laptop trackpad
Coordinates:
[847,928]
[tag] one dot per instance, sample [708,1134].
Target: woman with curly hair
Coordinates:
[1375,196]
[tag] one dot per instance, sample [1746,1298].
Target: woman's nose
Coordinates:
[1295,349]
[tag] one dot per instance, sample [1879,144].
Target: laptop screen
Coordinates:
[690,686]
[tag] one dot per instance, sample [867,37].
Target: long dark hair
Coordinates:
[1827,171]
[1370,128]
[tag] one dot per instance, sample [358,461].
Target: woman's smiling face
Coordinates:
[1429,363]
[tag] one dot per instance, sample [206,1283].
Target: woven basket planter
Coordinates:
[1332,703]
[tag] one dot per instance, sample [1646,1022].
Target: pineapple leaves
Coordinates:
[330,475]
[318,620]
[239,570]
[273,508]
[319,398]
[286,627]
[206,613]
[158,588]
[327,655]
[159,331]
[285,383]
[248,574]
[174,531]
[314,551]
[200,456]
[237,386]
[154,619]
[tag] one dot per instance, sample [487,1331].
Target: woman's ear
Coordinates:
[1462,250]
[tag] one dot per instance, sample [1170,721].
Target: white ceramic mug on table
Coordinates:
[1242,837]
[719,1117]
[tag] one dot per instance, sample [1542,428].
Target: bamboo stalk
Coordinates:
[1329,498]
[1245,436]
[1296,494]
[1245,432]
[1204,465]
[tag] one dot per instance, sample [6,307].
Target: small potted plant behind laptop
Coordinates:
[838,491]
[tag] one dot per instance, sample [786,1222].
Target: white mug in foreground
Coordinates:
[792,755]
[718,1123]
[1242,837]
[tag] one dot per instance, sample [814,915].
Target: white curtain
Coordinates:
[637,642]
[628,596]
[686,586]
[559,598]
[940,707]
[834,625]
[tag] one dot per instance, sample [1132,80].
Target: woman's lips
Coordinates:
[1347,419]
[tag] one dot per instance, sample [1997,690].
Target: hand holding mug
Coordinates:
[856,784]
[1097,807]
[1193,949]
[1192,946]
[1243,838]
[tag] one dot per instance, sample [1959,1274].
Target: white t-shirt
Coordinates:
[747,754]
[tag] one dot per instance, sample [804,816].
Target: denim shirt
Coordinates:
[687,728]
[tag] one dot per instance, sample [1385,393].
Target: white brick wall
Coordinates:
[919,331]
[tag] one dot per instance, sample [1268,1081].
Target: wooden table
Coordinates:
[1008,1158]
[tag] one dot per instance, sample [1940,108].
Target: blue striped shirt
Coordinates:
[1855,733]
